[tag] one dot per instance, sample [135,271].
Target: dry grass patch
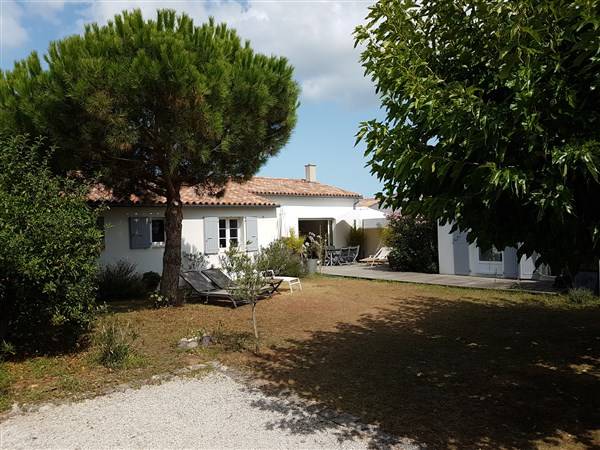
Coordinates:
[453,368]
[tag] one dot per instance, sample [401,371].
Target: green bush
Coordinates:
[356,237]
[115,343]
[120,281]
[279,258]
[294,243]
[150,280]
[414,244]
[49,245]
[582,296]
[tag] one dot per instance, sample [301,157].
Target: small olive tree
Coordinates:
[249,282]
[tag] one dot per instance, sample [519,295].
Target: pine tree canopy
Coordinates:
[147,103]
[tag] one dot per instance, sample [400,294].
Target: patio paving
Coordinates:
[384,273]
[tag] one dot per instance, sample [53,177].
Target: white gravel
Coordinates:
[211,412]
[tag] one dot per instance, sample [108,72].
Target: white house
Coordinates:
[251,215]
[458,257]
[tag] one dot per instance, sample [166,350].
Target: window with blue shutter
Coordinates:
[251,234]
[211,235]
[139,233]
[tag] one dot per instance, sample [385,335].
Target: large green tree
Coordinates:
[150,106]
[49,246]
[492,119]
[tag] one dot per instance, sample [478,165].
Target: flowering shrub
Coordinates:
[313,246]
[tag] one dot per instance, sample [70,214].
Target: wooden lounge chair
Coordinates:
[381,257]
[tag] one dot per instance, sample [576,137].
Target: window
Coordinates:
[229,232]
[158,231]
[491,255]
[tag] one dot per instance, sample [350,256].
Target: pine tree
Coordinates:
[149,106]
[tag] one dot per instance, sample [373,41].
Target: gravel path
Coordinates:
[212,412]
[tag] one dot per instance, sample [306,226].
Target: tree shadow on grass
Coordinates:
[455,373]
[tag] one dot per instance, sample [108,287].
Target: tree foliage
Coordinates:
[154,105]
[492,119]
[49,244]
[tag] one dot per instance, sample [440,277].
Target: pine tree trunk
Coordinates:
[172,256]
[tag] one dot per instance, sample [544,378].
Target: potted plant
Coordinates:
[313,249]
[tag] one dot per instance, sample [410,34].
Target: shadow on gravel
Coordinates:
[302,418]
[452,374]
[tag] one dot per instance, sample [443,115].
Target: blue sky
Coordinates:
[315,35]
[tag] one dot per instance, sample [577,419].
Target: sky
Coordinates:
[315,35]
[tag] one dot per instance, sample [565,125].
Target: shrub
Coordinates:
[313,246]
[294,243]
[582,296]
[356,236]
[49,245]
[115,343]
[150,280]
[414,244]
[120,281]
[279,258]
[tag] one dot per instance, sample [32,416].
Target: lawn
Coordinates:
[448,367]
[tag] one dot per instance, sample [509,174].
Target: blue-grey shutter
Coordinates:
[211,235]
[139,232]
[251,234]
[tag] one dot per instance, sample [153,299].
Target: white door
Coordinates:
[486,262]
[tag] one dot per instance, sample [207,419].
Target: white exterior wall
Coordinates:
[116,222]
[293,208]
[445,250]
[272,223]
[450,249]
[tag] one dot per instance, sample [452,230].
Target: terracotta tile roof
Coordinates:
[293,186]
[368,202]
[250,193]
[235,195]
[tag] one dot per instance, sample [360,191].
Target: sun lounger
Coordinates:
[204,287]
[291,281]
[223,281]
[381,257]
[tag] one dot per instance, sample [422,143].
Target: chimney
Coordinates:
[310,172]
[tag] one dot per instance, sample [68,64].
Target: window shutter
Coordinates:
[211,235]
[139,232]
[251,234]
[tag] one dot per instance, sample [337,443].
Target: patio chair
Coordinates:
[291,281]
[343,256]
[378,258]
[352,254]
[332,256]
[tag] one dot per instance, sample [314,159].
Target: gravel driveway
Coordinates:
[212,412]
